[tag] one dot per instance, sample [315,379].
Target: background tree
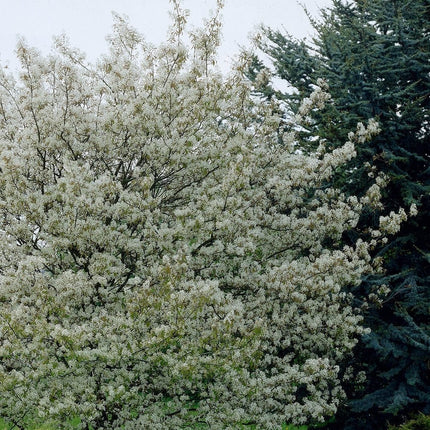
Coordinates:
[164,261]
[374,56]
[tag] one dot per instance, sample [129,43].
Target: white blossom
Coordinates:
[165,261]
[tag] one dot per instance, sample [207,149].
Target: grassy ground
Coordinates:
[34,426]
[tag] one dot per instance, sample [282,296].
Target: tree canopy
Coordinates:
[165,262]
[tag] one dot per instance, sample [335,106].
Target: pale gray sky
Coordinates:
[87,22]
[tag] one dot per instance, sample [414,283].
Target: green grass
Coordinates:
[47,426]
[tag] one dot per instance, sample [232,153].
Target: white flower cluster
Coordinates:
[390,224]
[316,100]
[413,210]
[165,262]
[364,133]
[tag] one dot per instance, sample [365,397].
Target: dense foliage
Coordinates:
[421,422]
[374,56]
[165,262]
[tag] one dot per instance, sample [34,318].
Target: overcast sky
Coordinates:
[87,22]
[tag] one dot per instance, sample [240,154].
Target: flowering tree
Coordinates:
[165,262]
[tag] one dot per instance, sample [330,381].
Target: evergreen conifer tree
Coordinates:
[374,56]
